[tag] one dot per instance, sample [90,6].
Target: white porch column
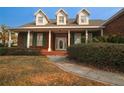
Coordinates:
[69,37]
[49,47]
[86,36]
[28,39]
[9,41]
[102,32]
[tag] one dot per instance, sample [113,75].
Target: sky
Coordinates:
[17,16]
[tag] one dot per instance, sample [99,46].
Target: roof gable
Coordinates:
[61,10]
[84,11]
[40,11]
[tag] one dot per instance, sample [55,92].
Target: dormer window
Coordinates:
[83,19]
[61,19]
[40,19]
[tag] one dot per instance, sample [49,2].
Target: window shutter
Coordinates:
[34,39]
[25,39]
[44,39]
[72,38]
[82,38]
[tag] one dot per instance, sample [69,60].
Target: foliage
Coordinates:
[100,39]
[109,39]
[116,39]
[4,34]
[1,45]
[105,56]
[3,51]
[19,51]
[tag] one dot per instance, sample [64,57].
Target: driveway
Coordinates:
[94,74]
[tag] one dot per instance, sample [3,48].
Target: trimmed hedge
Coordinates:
[19,51]
[116,39]
[3,51]
[103,56]
[109,39]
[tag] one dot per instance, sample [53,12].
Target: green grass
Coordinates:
[36,70]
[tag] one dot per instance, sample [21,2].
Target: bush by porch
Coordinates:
[19,51]
[103,56]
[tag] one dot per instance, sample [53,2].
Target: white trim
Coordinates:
[102,32]
[28,39]
[10,41]
[61,10]
[69,38]
[42,13]
[38,12]
[49,46]
[83,10]
[86,36]
[63,27]
[57,40]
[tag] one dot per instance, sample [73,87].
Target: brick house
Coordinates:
[115,24]
[57,34]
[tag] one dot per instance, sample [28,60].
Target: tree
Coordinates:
[4,34]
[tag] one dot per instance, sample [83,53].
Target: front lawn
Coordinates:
[36,70]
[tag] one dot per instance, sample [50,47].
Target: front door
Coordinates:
[61,43]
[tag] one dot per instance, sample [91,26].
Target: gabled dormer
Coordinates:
[82,17]
[41,18]
[61,17]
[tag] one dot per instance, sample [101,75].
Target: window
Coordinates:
[39,39]
[90,37]
[31,39]
[77,38]
[61,19]
[83,19]
[40,19]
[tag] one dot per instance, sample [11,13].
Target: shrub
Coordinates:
[109,39]
[104,56]
[116,39]
[19,51]
[100,39]
[2,51]
[1,45]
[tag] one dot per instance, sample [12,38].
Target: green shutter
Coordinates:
[72,38]
[44,39]
[25,39]
[34,39]
[82,38]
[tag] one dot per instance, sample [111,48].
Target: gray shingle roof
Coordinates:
[71,22]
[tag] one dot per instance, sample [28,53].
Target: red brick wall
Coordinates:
[21,39]
[116,27]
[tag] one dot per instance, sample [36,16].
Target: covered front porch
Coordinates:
[55,39]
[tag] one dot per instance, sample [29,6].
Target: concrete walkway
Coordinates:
[98,75]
